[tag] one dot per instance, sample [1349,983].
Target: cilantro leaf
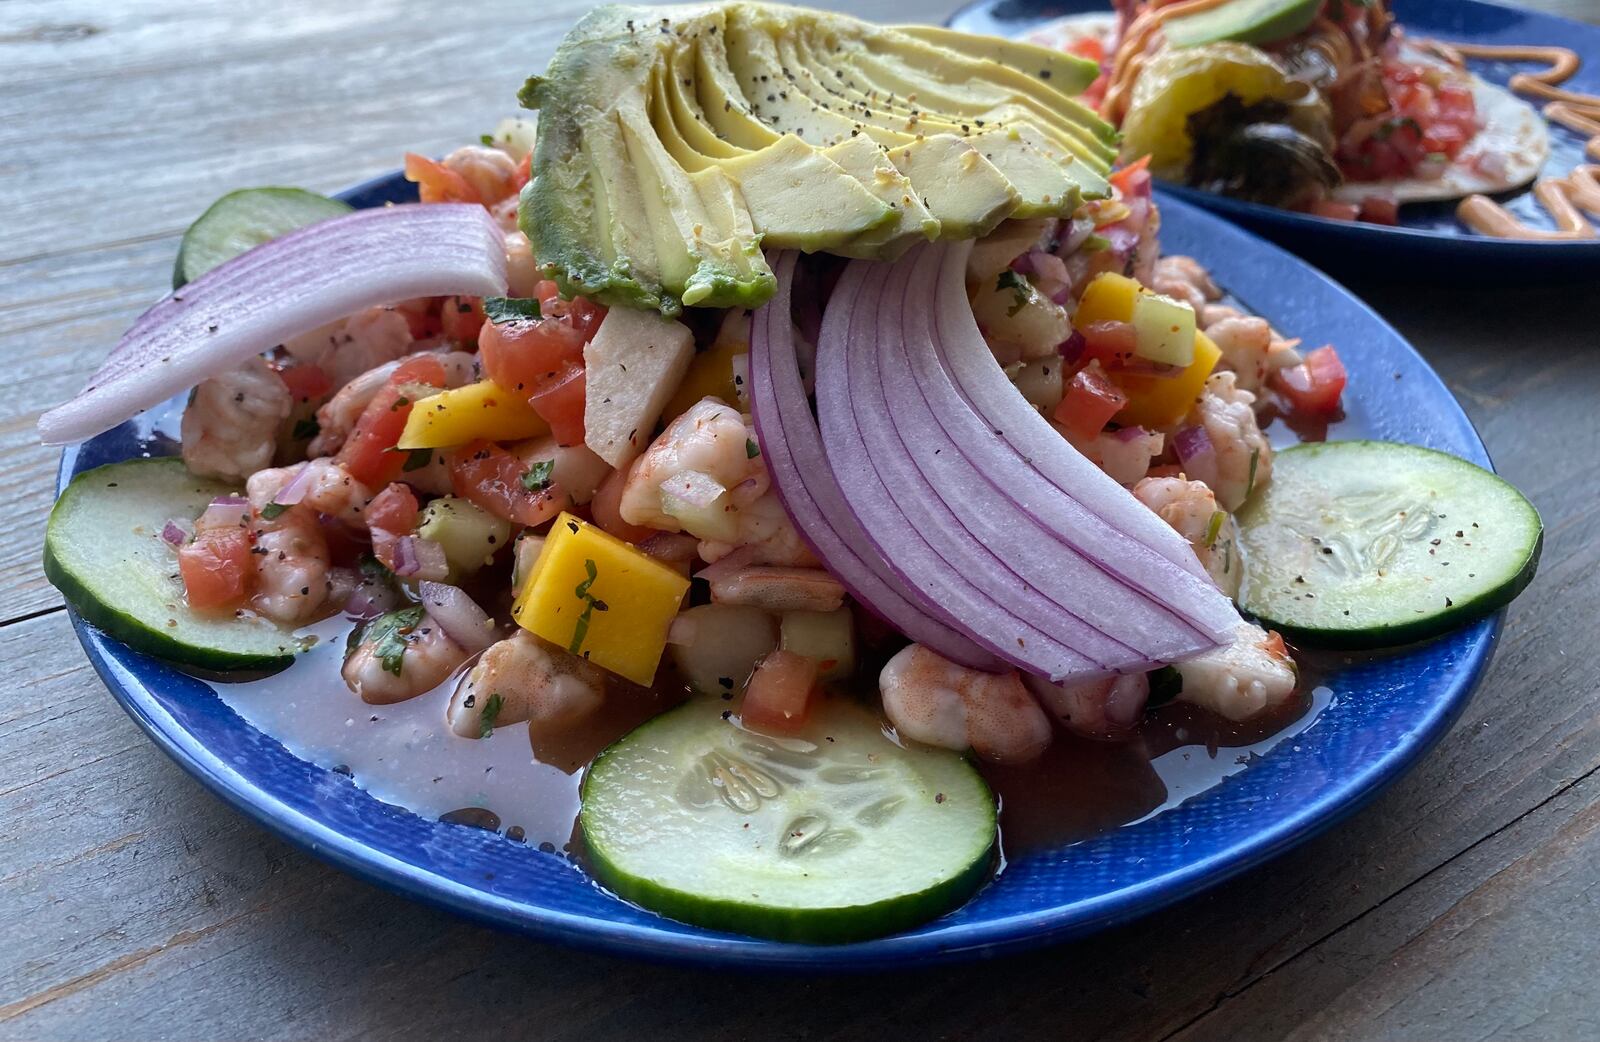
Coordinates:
[751,449]
[387,635]
[537,478]
[491,712]
[416,459]
[591,603]
[501,310]
[272,510]
[1019,290]
[1095,243]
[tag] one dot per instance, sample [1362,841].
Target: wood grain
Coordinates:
[135,905]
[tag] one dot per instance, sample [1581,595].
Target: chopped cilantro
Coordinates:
[1255,458]
[272,510]
[1214,526]
[1095,243]
[591,605]
[751,449]
[491,712]
[416,459]
[501,310]
[305,430]
[387,635]
[487,139]
[1019,290]
[1166,684]
[537,478]
[375,571]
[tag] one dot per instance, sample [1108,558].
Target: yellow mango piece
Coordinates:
[710,375]
[1109,297]
[1155,401]
[1152,401]
[598,597]
[463,414]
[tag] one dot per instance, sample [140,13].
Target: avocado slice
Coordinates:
[676,142]
[1243,21]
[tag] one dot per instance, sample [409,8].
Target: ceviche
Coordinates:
[1328,107]
[795,436]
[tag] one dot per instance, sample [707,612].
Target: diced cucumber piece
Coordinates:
[1163,329]
[833,835]
[470,535]
[1370,543]
[245,219]
[103,550]
[829,637]
[726,643]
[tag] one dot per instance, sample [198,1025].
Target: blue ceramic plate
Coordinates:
[1385,714]
[1429,239]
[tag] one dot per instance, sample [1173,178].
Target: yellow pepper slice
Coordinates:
[1153,401]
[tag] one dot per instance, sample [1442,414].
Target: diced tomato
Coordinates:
[491,477]
[306,381]
[561,403]
[421,315]
[1088,47]
[437,183]
[216,568]
[525,356]
[1380,210]
[1111,343]
[584,314]
[1089,403]
[461,318]
[1132,177]
[1314,386]
[606,509]
[1335,210]
[368,455]
[524,171]
[778,697]
[393,510]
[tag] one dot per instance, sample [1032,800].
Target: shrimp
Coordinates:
[428,659]
[709,438]
[491,172]
[291,556]
[230,426]
[1243,454]
[768,535]
[1124,454]
[327,488]
[1184,278]
[1108,709]
[523,274]
[338,415]
[354,345]
[932,700]
[1251,348]
[778,590]
[525,678]
[1190,507]
[1250,676]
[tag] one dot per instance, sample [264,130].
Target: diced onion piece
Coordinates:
[418,558]
[279,290]
[458,615]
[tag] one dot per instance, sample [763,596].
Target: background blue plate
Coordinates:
[1388,712]
[1429,241]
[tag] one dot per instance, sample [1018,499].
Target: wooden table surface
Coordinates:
[1463,904]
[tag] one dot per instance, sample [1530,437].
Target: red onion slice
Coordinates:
[804,483]
[295,489]
[418,558]
[173,533]
[458,615]
[279,290]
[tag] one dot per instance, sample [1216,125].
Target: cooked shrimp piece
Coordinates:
[1108,709]
[524,678]
[1124,454]
[351,346]
[932,700]
[491,172]
[1211,314]
[427,661]
[1186,279]
[325,486]
[230,426]
[291,556]
[779,589]
[1243,455]
[765,528]
[1245,678]
[1251,348]
[338,415]
[1191,508]
[710,439]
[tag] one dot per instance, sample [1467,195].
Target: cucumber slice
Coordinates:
[833,835]
[245,219]
[103,550]
[1369,544]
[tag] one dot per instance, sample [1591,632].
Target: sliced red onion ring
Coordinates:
[458,615]
[174,533]
[371,598]
[418,558]
[279,290]
[225,512]
[1191,442]
[804,483]
[295,489]
[1129,433]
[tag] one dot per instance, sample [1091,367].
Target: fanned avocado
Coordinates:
[1243,21]
[676,142]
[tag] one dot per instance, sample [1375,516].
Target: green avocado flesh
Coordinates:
[1243,21]
[103,550]
[676,142]
[833,834]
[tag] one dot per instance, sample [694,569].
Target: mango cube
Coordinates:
[1109,297]
[598,597]
[710,376]
[463,414]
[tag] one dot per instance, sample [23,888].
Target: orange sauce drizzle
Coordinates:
[1563,197]
[1129,60]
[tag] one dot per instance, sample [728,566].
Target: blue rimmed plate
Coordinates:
[1429,244]
[1385,714]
